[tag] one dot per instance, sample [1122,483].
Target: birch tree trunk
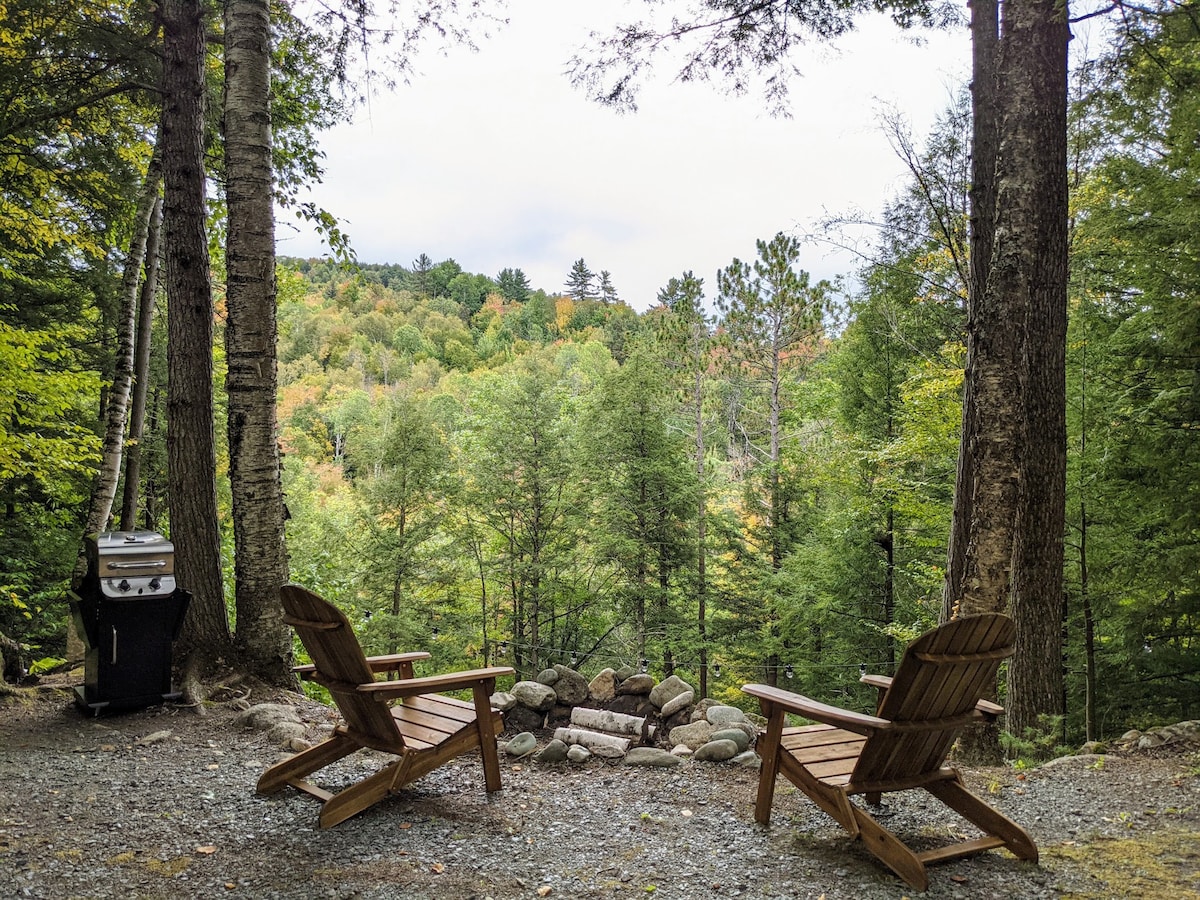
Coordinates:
[141,374]
[104,491]
[260,561]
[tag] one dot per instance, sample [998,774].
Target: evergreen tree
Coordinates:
[519,459]
[419,279]
[772,318]
[644,493]
[686,344]
[608,293]
[581,282]
[514,285]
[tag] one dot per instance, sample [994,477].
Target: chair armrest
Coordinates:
[393,661]
[984,707]
[374,663]
[433,684]
[811,709]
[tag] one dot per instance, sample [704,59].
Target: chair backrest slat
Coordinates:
[942,675]
[330,641]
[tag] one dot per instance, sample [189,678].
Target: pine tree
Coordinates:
[608,293]
[419,280]
[581,282]
[514,285]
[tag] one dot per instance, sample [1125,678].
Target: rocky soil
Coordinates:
[161,803]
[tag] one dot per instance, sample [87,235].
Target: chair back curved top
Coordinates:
[341,665]
[940,679]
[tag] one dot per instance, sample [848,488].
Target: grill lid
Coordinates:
[131,563]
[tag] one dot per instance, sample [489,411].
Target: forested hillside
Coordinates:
[751,480]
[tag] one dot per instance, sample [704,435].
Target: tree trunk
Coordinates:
[985,33]
[141,374]
[191,445]
[1031,260]
[104,491]
[701,537]
[1089,631]
[260,558]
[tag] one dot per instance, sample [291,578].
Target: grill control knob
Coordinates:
[155,584]
[123,585]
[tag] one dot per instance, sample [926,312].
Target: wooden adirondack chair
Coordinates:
[935,692]
[424,730]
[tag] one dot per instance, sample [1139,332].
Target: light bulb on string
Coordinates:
[716,670]
[788,672]
[645,665]
[503,647]
[574,659]
[862,669]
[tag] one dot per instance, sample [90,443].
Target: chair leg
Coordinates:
[768,751]
[305,763]
[890,850]
[955,795]
[487,736]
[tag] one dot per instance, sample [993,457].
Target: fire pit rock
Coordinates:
[625,714]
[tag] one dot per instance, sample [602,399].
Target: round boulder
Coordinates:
[676,704]
[747,760]
[737,735]
[553,752]
[693,736]
[625,672]
[265,716]
[534,695]
[604,686]
[717,751]
[637,685]
[570,687]
[521,745]
[651,757]
[668,689]
[522,718]
[722,716]
[547,676]
[503,701]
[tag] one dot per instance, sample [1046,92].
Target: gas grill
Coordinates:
[129,610]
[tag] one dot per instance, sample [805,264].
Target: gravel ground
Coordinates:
[92,808]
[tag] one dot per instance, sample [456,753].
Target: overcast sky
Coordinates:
[493,159]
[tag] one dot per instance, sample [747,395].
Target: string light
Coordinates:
[615,659]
